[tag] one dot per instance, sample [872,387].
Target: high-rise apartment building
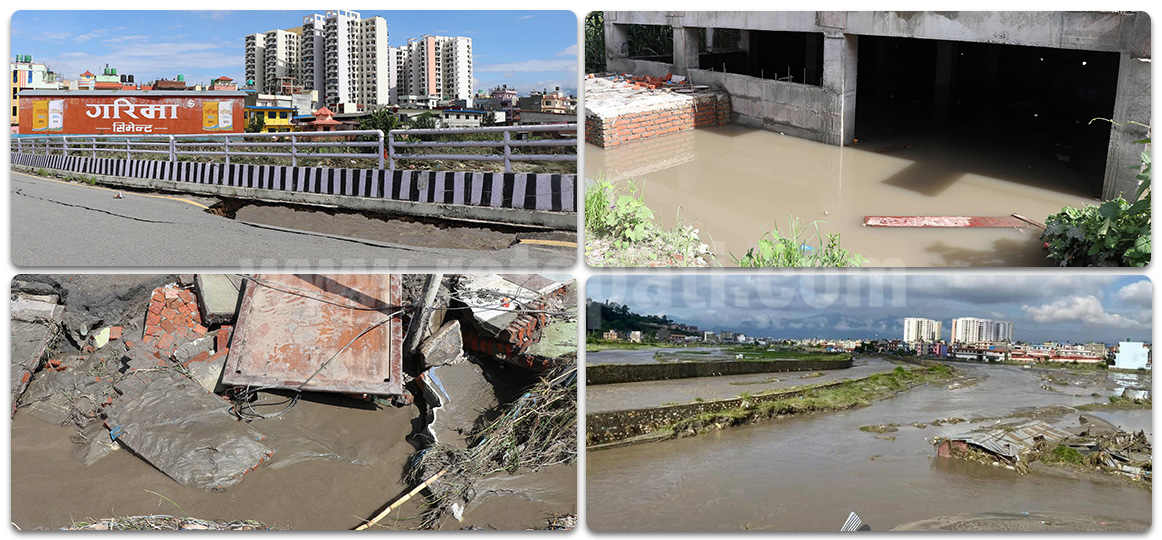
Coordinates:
[439,66]
[346,58]
[273,59]
[356,63]
[340,54]
[972,330]
[921,330]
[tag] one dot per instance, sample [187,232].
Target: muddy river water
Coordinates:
[334,465]
[807,473]
[736,183]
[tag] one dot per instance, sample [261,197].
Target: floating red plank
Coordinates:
[1005,222]
[291,329]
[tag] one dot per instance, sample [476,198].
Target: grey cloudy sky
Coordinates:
[1043,308]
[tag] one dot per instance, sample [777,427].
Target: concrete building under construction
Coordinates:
[1032,79]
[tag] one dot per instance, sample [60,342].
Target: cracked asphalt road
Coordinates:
[62,224]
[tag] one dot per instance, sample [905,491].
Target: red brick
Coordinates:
[201,357]
[88,348]
[128,344]
[198,329]
[167,325]
[115,332]
[173,303]
[26,377]
[153,319]
[165,343]
[168,313]
[149,341]
[223,338]
[185,296]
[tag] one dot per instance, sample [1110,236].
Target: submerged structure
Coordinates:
[1034,79]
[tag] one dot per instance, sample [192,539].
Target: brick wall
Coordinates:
[704,110]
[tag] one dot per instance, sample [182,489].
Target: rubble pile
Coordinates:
[1094,444]
[495,371]
[522,323]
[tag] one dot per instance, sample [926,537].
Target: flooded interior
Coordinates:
[333,467]
[736,183]
[807,473]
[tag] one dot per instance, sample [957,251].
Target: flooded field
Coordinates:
[333,467]
[807,473]
[735,184]
[622,396]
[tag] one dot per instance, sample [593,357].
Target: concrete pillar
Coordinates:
[744,40]
[685,49]
[1132,104]
[840,59]
[945,50]
[709,39]
[616,43]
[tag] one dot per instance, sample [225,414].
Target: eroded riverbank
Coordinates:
[807,473]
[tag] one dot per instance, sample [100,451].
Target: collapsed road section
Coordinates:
[208,390]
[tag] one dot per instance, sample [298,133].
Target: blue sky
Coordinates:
[1042,308]
[526,49]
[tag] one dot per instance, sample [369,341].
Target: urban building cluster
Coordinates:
[993,341]
[326,75]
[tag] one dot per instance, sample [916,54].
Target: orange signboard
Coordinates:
[124,113]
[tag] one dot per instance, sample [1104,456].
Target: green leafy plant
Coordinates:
[793,250]
[1117,233]
[257,123]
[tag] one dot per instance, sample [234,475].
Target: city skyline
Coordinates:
[203,45]
[1043,308]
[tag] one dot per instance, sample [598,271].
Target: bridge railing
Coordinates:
[292,145]
[400,145]
[511,138]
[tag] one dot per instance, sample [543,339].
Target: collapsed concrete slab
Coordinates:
[458,397]
[446,346]
[35,323]
[218,297]
[183,431]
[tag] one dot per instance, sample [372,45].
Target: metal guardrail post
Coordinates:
[294,151]
[380,148]
[19,145]
[65,145]
[507,151]
[93,141]
[226,146]
[390,151]
[172,149]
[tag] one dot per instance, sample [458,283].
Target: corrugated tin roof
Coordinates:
[1012,441]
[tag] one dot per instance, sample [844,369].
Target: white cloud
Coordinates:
[530,66]
[525,17]
[121,39]
[1138,293]
[1080,309]
[570,51]
[55,36]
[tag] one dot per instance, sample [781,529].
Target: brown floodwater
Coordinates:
[807,473]
[335,464]
[736,183]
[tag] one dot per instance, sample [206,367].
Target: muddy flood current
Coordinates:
[807,473]
[735,184]
[335,464]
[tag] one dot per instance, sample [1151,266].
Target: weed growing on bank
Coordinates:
[620,231]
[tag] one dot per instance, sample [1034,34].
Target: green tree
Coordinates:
[382,120]
[595,42]
[489,119]
[257,123]
[426,120]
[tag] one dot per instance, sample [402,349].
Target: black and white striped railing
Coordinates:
[528,191]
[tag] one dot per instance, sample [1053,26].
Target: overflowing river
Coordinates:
[735,184]
[807,473]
